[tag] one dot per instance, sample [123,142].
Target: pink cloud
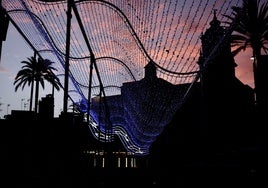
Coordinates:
[3,69]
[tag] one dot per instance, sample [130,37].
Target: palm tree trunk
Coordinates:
[256,55]
[32,88]
[53,90]
[31,97]
[36,95]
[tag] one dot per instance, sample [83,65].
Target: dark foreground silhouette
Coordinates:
[43,152]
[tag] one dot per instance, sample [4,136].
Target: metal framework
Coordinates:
[100,49]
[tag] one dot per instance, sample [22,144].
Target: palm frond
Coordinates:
[252,28]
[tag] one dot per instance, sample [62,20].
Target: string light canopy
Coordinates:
[131,63]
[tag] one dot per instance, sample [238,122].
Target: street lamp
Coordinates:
[26,104]
[252,58]
[7,108]
[0,105]
[21,104]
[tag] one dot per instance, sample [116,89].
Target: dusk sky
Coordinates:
[15,50]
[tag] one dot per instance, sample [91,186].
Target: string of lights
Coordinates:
[124,37]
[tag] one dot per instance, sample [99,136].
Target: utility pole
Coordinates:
[67,64]
[8,105]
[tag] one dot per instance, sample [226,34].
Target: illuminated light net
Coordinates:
[124,35]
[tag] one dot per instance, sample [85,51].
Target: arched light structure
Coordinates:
[124,36]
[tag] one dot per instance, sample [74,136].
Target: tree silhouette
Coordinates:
[36,71]
[251,30]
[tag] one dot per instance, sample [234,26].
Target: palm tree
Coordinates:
[26,75]
[36,71]
[251,30]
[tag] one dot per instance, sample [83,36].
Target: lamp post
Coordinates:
[26,104]
[7,108]
[0,106]
[21,104]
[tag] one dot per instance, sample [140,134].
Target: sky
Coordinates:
[15,50]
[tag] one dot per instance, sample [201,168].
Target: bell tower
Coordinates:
[150,71]
[216,60]
[218,82]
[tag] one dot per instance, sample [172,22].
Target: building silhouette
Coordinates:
[46,106]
